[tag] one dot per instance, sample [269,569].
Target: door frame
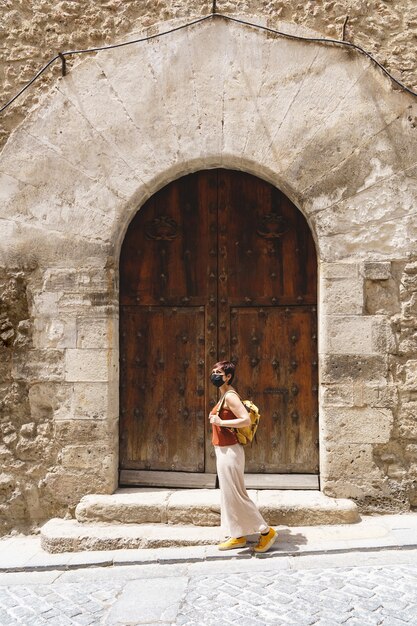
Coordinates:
[154,478]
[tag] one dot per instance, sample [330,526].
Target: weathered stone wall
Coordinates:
[369,385]
[18,431]
[321,124]
[54,430]
[32,33]
[397,459]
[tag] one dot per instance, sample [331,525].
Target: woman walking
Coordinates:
[239,515]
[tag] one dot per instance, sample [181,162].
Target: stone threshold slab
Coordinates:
[201,507]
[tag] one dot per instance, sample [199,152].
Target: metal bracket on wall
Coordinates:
[64,64]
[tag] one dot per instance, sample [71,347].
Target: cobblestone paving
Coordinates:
[364,596]
[57,604]
[355,596]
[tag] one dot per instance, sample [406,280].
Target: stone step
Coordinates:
[201,507]
[60,535]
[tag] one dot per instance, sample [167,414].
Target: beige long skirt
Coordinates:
[239,515]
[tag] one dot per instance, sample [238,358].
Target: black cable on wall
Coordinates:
[321,40]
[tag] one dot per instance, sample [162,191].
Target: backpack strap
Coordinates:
[232,429]
[224,398]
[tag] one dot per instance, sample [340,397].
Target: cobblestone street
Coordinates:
[348,589]
[368,595]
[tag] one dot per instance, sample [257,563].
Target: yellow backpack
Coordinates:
[246,434]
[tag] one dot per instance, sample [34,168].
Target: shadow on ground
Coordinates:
[287,541]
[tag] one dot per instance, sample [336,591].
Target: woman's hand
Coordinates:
[215,419]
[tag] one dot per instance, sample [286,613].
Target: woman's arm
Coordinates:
[234,403]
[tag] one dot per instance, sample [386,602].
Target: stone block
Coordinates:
[140,507]
[343,270]
[411,268]
[7,484]
[65,487]
[77,280]
[407,284]
[60,535]
[396,471]
[384,340]
[343,369]
[89,365]
[155,607]
[357,425]
[38,365]
[94,333]
[49,400]
[410,371]
[407,420]
[90,457]
[411,452]
[32,450]
[356,334]
[339,489]
[377,270]
[94,401]
[407,343]
[341,295]
[350,462]
[28,430]
[409,307]
[336,395]
[347,335]
[375,395]
[14,405]
[298,508]
[382,297]
[85,432]
[85,303]
[45,304]
[5,364]
[59,280]
[54,332]
[200,508]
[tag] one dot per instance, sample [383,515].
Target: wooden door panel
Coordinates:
[168,247]
[266,261]
[168,291]
[162,388]
[266,249]
[273,348]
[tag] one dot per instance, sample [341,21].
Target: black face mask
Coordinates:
[217,379]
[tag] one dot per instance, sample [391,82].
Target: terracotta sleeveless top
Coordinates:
[223,436]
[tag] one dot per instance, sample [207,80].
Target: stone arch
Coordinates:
[318,122]
[199,281]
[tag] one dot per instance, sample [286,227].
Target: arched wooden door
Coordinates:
[217,264]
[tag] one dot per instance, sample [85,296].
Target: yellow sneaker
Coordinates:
[232,543]
[266,541]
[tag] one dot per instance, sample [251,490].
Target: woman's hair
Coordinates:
[228,368]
